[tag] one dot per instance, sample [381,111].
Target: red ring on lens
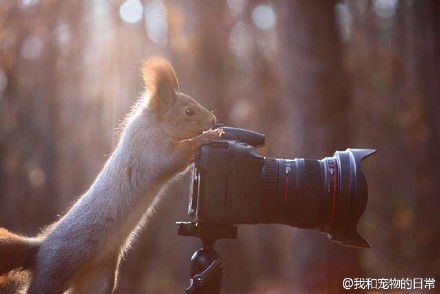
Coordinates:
[335,184]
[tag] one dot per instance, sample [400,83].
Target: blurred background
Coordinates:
[314,76]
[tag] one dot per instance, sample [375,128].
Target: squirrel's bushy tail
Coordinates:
[16,252]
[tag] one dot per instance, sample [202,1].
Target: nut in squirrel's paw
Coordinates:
[216,133]
[211,135]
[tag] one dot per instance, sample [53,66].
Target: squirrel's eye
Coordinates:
[189,112]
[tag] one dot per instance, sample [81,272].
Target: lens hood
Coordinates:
[351,199]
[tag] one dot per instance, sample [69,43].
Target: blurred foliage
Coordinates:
[314,76]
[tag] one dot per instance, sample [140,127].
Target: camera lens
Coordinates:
[328,194]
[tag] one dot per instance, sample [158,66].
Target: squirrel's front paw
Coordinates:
[188,148]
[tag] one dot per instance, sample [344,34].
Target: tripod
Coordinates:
[206,264]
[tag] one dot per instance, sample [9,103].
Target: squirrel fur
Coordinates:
[81,252]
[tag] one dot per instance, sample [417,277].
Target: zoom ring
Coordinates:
[309,212]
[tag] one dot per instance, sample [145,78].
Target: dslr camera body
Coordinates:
[232,183]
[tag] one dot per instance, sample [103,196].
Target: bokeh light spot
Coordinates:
[31,47]
[25,4]
[131,11]
[156,22]
[3,80]
[263,16]
[385,8]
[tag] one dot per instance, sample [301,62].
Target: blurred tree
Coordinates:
[319,93]
[30,109]
[393,58]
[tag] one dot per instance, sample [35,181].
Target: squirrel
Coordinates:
[81,252]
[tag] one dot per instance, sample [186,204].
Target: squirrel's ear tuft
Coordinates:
[160,79]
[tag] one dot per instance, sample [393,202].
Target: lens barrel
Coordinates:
[328,194]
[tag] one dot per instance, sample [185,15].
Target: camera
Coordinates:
[232,183]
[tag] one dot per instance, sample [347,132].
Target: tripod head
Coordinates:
[206,264]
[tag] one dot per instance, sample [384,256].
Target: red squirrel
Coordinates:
[81,252]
